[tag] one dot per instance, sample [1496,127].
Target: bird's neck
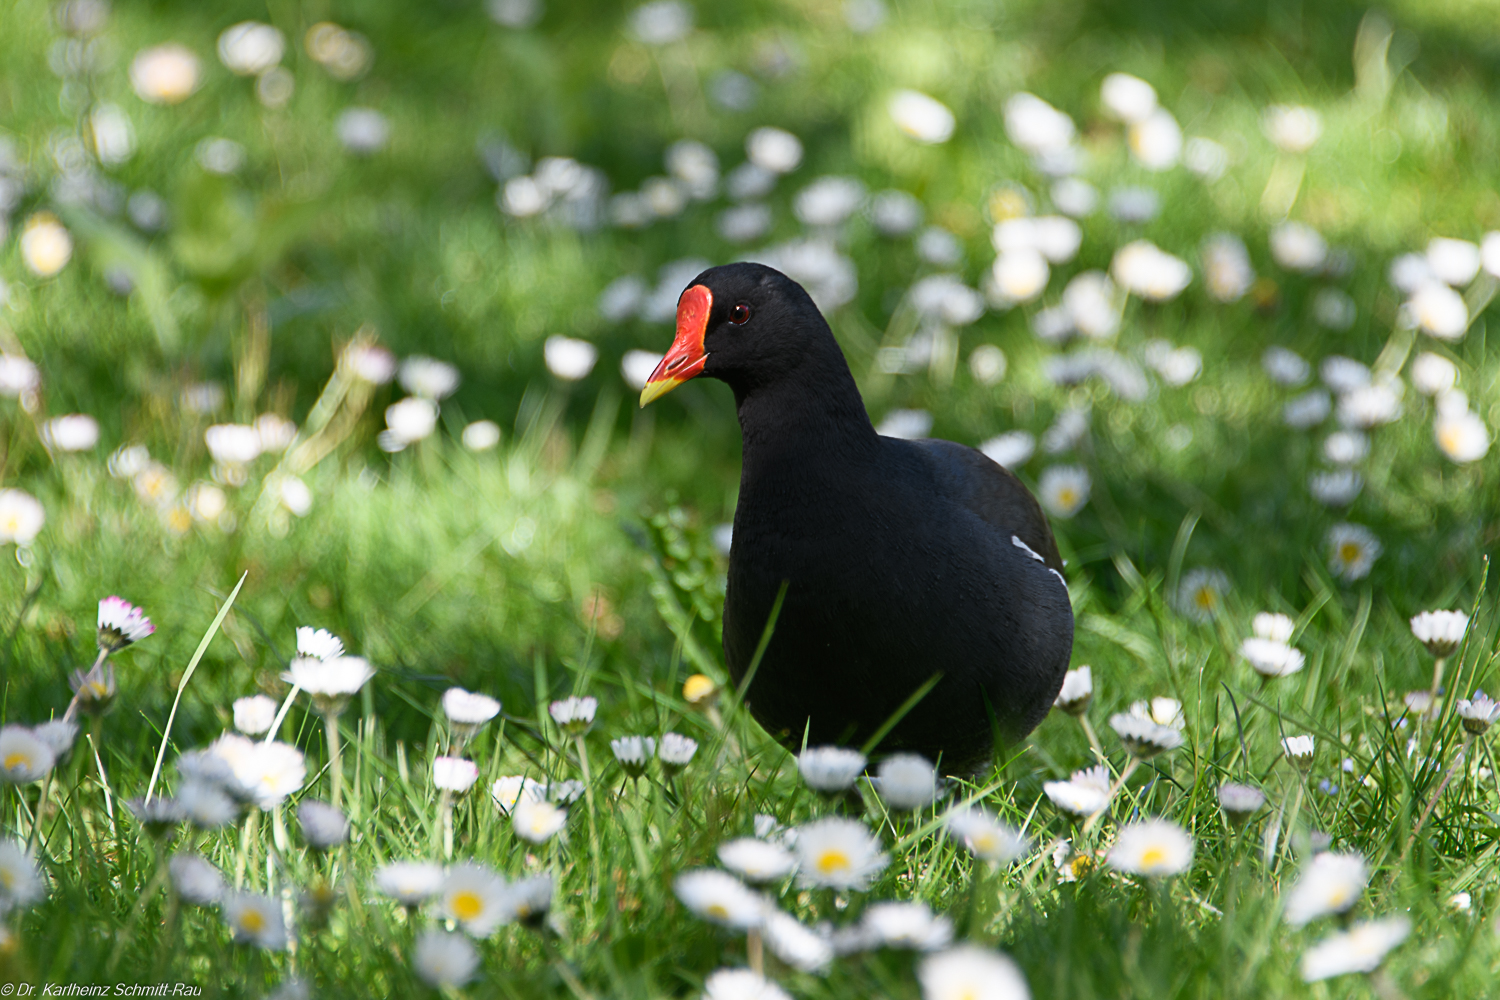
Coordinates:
[805,420]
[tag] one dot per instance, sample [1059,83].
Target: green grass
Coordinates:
[577,557]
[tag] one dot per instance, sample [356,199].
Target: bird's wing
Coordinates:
[993,494]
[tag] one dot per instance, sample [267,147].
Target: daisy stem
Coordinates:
[755,951]
[1437,673]
[335,761]
[1119,783]
[247,836]
[72,710]
[588,791]
[1088,730]
[445,809]
[1437,794]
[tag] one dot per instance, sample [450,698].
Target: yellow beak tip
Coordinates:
[658,389]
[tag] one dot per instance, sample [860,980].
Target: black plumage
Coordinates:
[903,559]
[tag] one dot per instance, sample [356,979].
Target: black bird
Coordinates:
[904,560]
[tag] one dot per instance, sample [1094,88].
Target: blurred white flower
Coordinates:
[250,48]
[329,682]
[1298,247]
[24,757]
[1156,141]
[661,22]
[741,984]
[1010,449]
[863,17]
[454,774]
[574,714]
[1146,270]
[907,781]
[569,359]
[255,919]
[362,131]
[515,13]
[1432,373]
[1454,262]
[750,180]
[476,898]
[509,789]
[18,376]
[970,972]
[1075,197]
[1329,883]
[830,769]
[74,432]
[46,246]
[274,87]
[254,715]
[21,517]
[1336,488]
[1152,847]
[1206,158]
[910,925]
[444,959]
[1036,126]
[1177,366]
[219,156]
[1451,403]
[1226,267]
[1128,98]
[1346,447]
[828,201]
[1370,405]
[987,364]
[774,150]
[1291,128]
[938,247]
[636,367]
[113,138]
[676,751]
[796,944]
[1343,374]
[895,213]
[1334,309]
[838,853]
[695,166]
[1018,276]
[1136,205]
[744,223]
[267,772]
[1352,551]
[1489,253]
[1143,737]
[523,197]
[481,435]
[194,879]
[1360,949]
[428,377]
[1271,658]
[1286,368]
[537,822]
[721,898]
[1077,691]
[756,860]
[1463,437]
[921,117]
[1053,236]
[1091,304]
[1438,311]
[165,74]
[407,421]
[1064,489]
[322,824]
[986,837]
[663,196]
[232,444]
[1083,794]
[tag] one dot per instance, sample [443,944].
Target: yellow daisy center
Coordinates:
[16,760]
[1349,551]
[1206,598]
[718,910]
[466,904]
[832,860]
[985,842]
[1153,856]
[12,524]
[1066,496]
[252,921]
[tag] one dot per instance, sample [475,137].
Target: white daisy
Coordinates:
[1156,141]
[921,117]
[443,959]
[1064,489]
[774,150]
[482,435]
[1432,373]
[1462,437]
[1010,449]
[1152,847]
[676,751]
[1240,802]
[1128,98]
[1360,949]
[1144,738]
[1437,311]
[1077,691]
[205,805]
[408,421]
[1477,713]
[720,898]
[322,824]
[1298,247]
[250,48]
[508,790]
[839,853]
[428,377]
[1200,595]
[46,246]
[476,898]
[1346,447]
[159,816]
[633,753]
[741,984]
[468,710]
[267,772]
[569,358]
[1307,410]
[907,781]
[410,883]
[1370,405]
[330,682]
[20,882]
[254,715]
[1093,303]
[1017,276]
[969,972]
[21,517]
[1070,864]
[1271,658]
[232,444]
[795,944]
[756,860]
[195,879]
[74,432]
[1336,487]
[537,822]
[1299,750]
[1352,551]
[454,774]
[830,769]
[24,757]
[1085,792]
[58,734]
[1291,128]
[1142,268]
[910,925]
[530,900]
[985,835]
[574,714]
[255,919]
[1273,625]
[1036,126]
[1285,367]
[319,643]
[1330,883]
[1075,197]
[1440,631]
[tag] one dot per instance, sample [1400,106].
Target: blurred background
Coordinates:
[358,299]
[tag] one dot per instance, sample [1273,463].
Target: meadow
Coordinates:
[360,635]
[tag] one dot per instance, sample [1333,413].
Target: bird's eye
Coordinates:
[739,315]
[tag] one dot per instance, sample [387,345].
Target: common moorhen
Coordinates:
[904,560]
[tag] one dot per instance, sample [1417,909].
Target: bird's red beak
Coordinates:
[686,356]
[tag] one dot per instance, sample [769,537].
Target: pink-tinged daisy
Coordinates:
[121,623]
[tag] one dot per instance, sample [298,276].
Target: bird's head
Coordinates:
[744,324]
